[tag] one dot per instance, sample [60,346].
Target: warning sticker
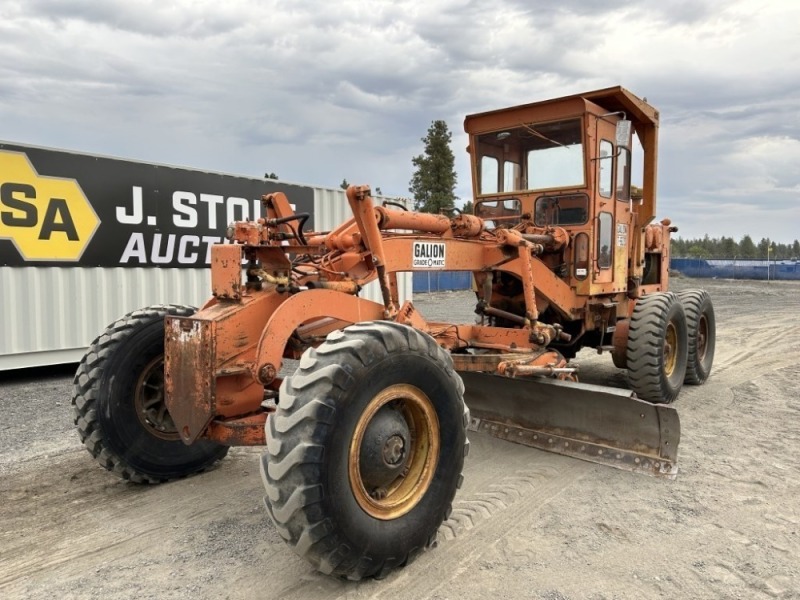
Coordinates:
[428,255]
[622,234]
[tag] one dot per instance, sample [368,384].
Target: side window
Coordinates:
[605,225]
[624,175]
[511,175]
[561,166]
[605,168]
[503,213]
[571,209]
[489,175]
[531,156]
[581,250]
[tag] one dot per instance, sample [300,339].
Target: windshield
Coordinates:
[534,156]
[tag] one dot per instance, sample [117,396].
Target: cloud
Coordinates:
[319,91]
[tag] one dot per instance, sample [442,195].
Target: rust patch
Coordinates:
[189,374]
[226,271]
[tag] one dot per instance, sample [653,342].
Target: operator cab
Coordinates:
[566,163]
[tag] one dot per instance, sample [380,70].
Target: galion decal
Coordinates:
[428,255]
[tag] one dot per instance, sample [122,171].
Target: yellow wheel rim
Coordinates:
[394,452]
[670,350]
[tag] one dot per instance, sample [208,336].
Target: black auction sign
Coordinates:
[69,209]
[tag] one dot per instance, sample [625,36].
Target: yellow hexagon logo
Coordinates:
[47,218]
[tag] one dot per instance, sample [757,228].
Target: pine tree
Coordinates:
[728,247]
[434,181]
[747,247]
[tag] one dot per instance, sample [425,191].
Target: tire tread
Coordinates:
[84,398]
[693,303]
[305,412]
[644,353]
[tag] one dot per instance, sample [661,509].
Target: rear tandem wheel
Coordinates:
[657,347]
[365,450]
[702,326]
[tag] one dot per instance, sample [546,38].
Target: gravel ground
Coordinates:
[527,524]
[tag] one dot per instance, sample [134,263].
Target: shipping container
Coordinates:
[85,239]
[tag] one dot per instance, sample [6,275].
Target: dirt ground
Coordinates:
[526,524]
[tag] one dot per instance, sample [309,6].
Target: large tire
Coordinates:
[702,326]
[348,487]
[118,403]
[657,347]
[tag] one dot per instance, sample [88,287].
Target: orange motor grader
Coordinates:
[365,441]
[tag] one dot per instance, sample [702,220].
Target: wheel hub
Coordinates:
[702,337]
[394,451]
[383,448]
[150,403]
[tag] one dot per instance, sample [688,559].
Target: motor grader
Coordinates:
[365,441]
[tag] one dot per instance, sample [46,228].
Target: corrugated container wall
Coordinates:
[51,314]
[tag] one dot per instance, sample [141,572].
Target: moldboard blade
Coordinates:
[600,424]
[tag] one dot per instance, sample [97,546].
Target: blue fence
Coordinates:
[439,281]
[732,268]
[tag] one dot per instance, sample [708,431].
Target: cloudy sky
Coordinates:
[318,90]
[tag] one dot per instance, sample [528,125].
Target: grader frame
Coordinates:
[219,360]
[365,442]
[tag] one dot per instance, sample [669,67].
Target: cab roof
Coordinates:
[612,99]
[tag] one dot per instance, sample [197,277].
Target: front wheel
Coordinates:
[365,451]
[119,406]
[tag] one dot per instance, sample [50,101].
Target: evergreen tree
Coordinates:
[697,251]
[434,181]
[271,176]
[344,185]
[763,246]
[678,247]
[728,247]
[708,246]
[747,247]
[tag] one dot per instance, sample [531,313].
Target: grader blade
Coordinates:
[599,424]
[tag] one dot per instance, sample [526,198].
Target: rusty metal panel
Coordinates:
[189,373]
[226,271]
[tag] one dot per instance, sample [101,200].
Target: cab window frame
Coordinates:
[507,212]
[514,150]
[604,162]
[539,210]
[622,181]
[605,233]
